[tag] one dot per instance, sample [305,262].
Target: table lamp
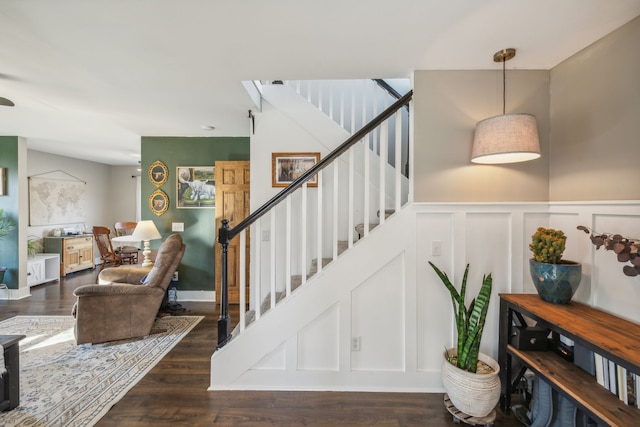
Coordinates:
[145,231]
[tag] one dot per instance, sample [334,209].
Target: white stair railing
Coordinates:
[352,104]
[309,226]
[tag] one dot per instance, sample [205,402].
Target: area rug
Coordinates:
[62,384]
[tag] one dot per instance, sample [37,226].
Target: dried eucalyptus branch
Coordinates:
[627,249]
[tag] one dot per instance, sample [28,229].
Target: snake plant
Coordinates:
[469,320]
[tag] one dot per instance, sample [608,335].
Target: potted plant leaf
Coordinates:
[33,247]
[469,376]
[627,249]
[6,226]
[555,279]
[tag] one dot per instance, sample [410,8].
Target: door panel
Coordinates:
[232,191]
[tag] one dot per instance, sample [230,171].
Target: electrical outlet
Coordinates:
[177,226]
[266,235]
[175,276]
[355,343]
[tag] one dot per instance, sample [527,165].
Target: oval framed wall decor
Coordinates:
[158,173]
[158,202]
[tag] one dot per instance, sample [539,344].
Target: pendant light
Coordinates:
[6,102]
[507,138]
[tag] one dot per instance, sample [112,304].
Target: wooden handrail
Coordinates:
[386,86]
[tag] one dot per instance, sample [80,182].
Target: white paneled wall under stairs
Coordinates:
[378,318]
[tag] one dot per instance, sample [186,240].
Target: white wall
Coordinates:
[98,195]
[383,291]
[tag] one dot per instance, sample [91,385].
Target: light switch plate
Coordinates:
[436,247]
[177,226]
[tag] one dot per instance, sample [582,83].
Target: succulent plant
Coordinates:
[547,245]
[627,250]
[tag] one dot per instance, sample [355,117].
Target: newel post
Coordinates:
[224,321]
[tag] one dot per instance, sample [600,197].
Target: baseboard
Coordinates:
[205,296]
[6,293]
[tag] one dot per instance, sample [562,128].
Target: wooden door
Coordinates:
[232,203]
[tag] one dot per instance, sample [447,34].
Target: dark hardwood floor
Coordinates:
[174,392]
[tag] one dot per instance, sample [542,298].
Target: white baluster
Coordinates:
[335,209]
[319,217]
[351,196]
[242,263]
[257,297]
[272,247]
[342,108]
[303,233]
[382,165]
[353,110]
[364,104]
[287,255]
[366,207]
[331,90]
[398,160]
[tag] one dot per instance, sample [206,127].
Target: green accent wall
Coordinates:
[197,271]
[9,203]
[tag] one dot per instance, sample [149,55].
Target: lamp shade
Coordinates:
[146,230]
[508,138]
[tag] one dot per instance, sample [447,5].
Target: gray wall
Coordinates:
[447,106]
[123,193]
[98,204]
[588,111]
[595,121]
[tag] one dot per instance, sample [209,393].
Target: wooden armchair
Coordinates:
[103,242]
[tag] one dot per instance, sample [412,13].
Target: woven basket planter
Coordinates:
[473,394]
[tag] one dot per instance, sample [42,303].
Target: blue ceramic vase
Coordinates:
[556,283]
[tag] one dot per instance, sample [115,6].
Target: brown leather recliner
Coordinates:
[126,304]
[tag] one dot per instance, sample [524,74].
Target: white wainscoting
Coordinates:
[383,292]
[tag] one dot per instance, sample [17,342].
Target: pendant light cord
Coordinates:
[504,87]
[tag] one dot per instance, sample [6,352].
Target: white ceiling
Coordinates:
[90,77]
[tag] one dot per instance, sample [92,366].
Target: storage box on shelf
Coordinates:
[43,268]
[76,252]
[606,335]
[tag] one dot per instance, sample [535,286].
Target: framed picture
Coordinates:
[3,180]
[158,202]
[158,173]
[287,167]
[195,187]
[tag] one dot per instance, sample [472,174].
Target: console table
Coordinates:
[76,252]
[43,268]
[612,337]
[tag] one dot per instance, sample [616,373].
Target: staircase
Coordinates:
[328,223]
[296,281]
